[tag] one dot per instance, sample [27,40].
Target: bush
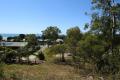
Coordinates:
[41,56]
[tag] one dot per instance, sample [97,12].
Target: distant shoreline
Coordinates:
[13,35]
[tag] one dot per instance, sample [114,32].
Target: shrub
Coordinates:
[41,56]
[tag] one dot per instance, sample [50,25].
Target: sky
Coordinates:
[33,16]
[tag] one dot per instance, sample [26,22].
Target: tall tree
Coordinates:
[51,33]
[73,36]
[105,24]
[91,49]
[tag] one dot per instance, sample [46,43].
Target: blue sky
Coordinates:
[33,16]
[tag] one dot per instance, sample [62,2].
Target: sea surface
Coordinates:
[9,35]
[13,35]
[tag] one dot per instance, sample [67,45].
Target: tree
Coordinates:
[22,36]
[31,39]
[105,25]
[18,38]
[10,56]
[23,52]
[9,38]
[1,62]
[51,33]
[41,56]
[2,76]
[73,36]
[59,49]
[1,37]
[91,49]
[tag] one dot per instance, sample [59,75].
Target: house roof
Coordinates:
[13,44]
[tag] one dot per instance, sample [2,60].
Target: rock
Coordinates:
[101,78]
[90,78]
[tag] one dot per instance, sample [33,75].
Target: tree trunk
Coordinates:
[19,59]
[63,57]
[28,61]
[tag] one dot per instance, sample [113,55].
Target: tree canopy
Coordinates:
[1,37]
[51,33]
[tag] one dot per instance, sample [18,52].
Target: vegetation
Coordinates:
[51,33]
[41,56]
[95,52]
[59,49]
[99,46]
[73,36]
[1,37]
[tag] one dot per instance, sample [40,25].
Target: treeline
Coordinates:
[100,45]
[14,53]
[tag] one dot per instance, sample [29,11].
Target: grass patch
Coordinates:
[44,71]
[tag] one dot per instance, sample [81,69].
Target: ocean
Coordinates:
[9,35]
[13,35]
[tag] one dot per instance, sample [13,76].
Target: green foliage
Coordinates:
[24,52]
[58,49]
[9,38]
[22,36]
[31,39]
[74,33]
[103,50]
[1,37]
[10,55]
[91,48]
[18,38]
[73,36]
[51,33]
[1,71]
[41,56]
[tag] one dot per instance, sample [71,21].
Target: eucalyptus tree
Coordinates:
[91,50]
[106,21]
[59,49]
[105,24]
[51,33]
[73,36]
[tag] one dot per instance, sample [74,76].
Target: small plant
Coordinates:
[41,56]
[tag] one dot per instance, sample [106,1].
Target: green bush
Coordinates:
[41,56]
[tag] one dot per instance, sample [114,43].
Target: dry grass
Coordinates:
[47,71]
[44,71]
